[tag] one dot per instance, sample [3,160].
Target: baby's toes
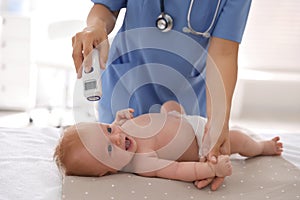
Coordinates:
[276,139]
[279,146]
[279,149]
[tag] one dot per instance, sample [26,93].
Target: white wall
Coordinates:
[269,63]
[272,36]
[55,9]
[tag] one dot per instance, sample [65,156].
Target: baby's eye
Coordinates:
[109,148]
[109,129]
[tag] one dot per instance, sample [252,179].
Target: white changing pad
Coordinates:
[27,169]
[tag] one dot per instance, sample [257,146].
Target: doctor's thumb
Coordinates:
[213,154]
[225,148]
[79,73]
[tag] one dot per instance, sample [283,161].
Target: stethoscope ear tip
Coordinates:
[186,30]
[189,30]
[206,34]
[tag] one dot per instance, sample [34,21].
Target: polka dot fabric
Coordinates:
[255,178]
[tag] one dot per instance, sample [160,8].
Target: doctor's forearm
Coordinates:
[100,15]
[224,56]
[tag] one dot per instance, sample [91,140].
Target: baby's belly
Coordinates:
[177,141]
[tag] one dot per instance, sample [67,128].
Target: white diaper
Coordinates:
[198,124]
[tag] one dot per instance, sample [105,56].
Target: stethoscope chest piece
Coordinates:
[164,22]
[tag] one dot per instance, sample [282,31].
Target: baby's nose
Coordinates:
[116,139]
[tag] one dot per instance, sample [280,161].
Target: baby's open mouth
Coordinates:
[127,143]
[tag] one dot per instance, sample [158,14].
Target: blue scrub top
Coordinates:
[147,67]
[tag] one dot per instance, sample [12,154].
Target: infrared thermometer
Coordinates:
[92,79]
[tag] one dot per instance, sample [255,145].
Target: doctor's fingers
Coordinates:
[213,155]
[82,47]
[217,150]
[222,145]
[83,43]
[202,159]
[77,56]
[94,37]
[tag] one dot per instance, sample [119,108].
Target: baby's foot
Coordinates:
[272,147]
[223,167]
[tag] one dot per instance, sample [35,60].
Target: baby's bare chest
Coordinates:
[171,137]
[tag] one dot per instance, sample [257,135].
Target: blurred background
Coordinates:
[37,75]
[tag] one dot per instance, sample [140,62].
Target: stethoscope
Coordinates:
[164,22]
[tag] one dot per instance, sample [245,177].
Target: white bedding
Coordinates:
[291,145]
[28,172]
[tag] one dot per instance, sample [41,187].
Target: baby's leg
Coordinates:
[246,146]
[171,106]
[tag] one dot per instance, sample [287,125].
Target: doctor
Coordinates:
[168,50]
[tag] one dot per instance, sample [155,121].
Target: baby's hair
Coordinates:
[58,156]
[73,158]
[67,139]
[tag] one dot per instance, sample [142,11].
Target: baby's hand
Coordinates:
[123,115]
[223,167]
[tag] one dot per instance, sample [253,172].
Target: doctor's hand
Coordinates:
[123,115]
[94,36]
[222,146]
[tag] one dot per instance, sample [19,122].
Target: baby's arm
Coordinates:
[187,171]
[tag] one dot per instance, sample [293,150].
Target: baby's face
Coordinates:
[105,146]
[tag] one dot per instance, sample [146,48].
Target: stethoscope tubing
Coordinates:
[188,18]
[189,28]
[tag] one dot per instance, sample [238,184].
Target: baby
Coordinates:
[165,144]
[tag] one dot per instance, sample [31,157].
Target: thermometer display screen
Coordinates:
[89,85]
